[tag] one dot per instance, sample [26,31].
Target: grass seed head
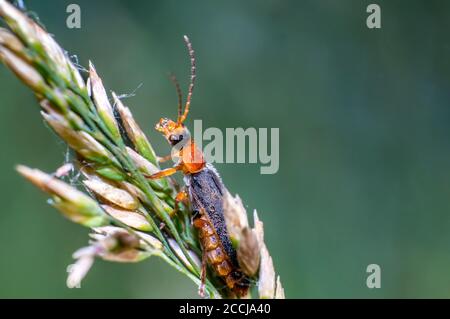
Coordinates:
[24,71]
[101,101]
[113,195]
[81,114]
[74,204]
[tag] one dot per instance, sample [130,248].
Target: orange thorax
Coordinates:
[192,160]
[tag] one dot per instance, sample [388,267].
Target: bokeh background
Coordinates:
[364,139]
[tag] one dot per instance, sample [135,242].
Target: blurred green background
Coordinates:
[364,139]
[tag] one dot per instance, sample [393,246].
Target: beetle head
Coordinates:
[173,132]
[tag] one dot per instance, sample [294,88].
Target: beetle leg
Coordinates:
[201,288]
[164,158]
[182,197]
[165,172]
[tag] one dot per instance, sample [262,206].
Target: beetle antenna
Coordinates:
[175,82]
[192,82]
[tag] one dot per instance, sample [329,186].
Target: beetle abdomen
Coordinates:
[218,258]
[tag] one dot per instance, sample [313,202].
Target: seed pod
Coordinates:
[81,142]
[33,35]
[70,118]
[109,243]
[105,110]
[22,69]
[133,219]
[103,173]
[248,252]
[91,174]
[127,256]
[174,245]
[258,228]
[73,213]
[147,241]
[18,22]
[125,249]
[279,293]
[134,132]
[133,190]
[77,76]
[111,172]
[235,216]
[10,41]
[74,204]
[266,284]
[147,168]
[142,164]
[112,194]
[79,270]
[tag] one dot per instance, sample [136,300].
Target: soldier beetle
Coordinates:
[204,191]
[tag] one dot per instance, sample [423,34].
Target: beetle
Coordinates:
[204,191]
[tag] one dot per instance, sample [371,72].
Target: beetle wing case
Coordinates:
[206,191]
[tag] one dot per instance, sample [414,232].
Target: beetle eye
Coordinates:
[174,139]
